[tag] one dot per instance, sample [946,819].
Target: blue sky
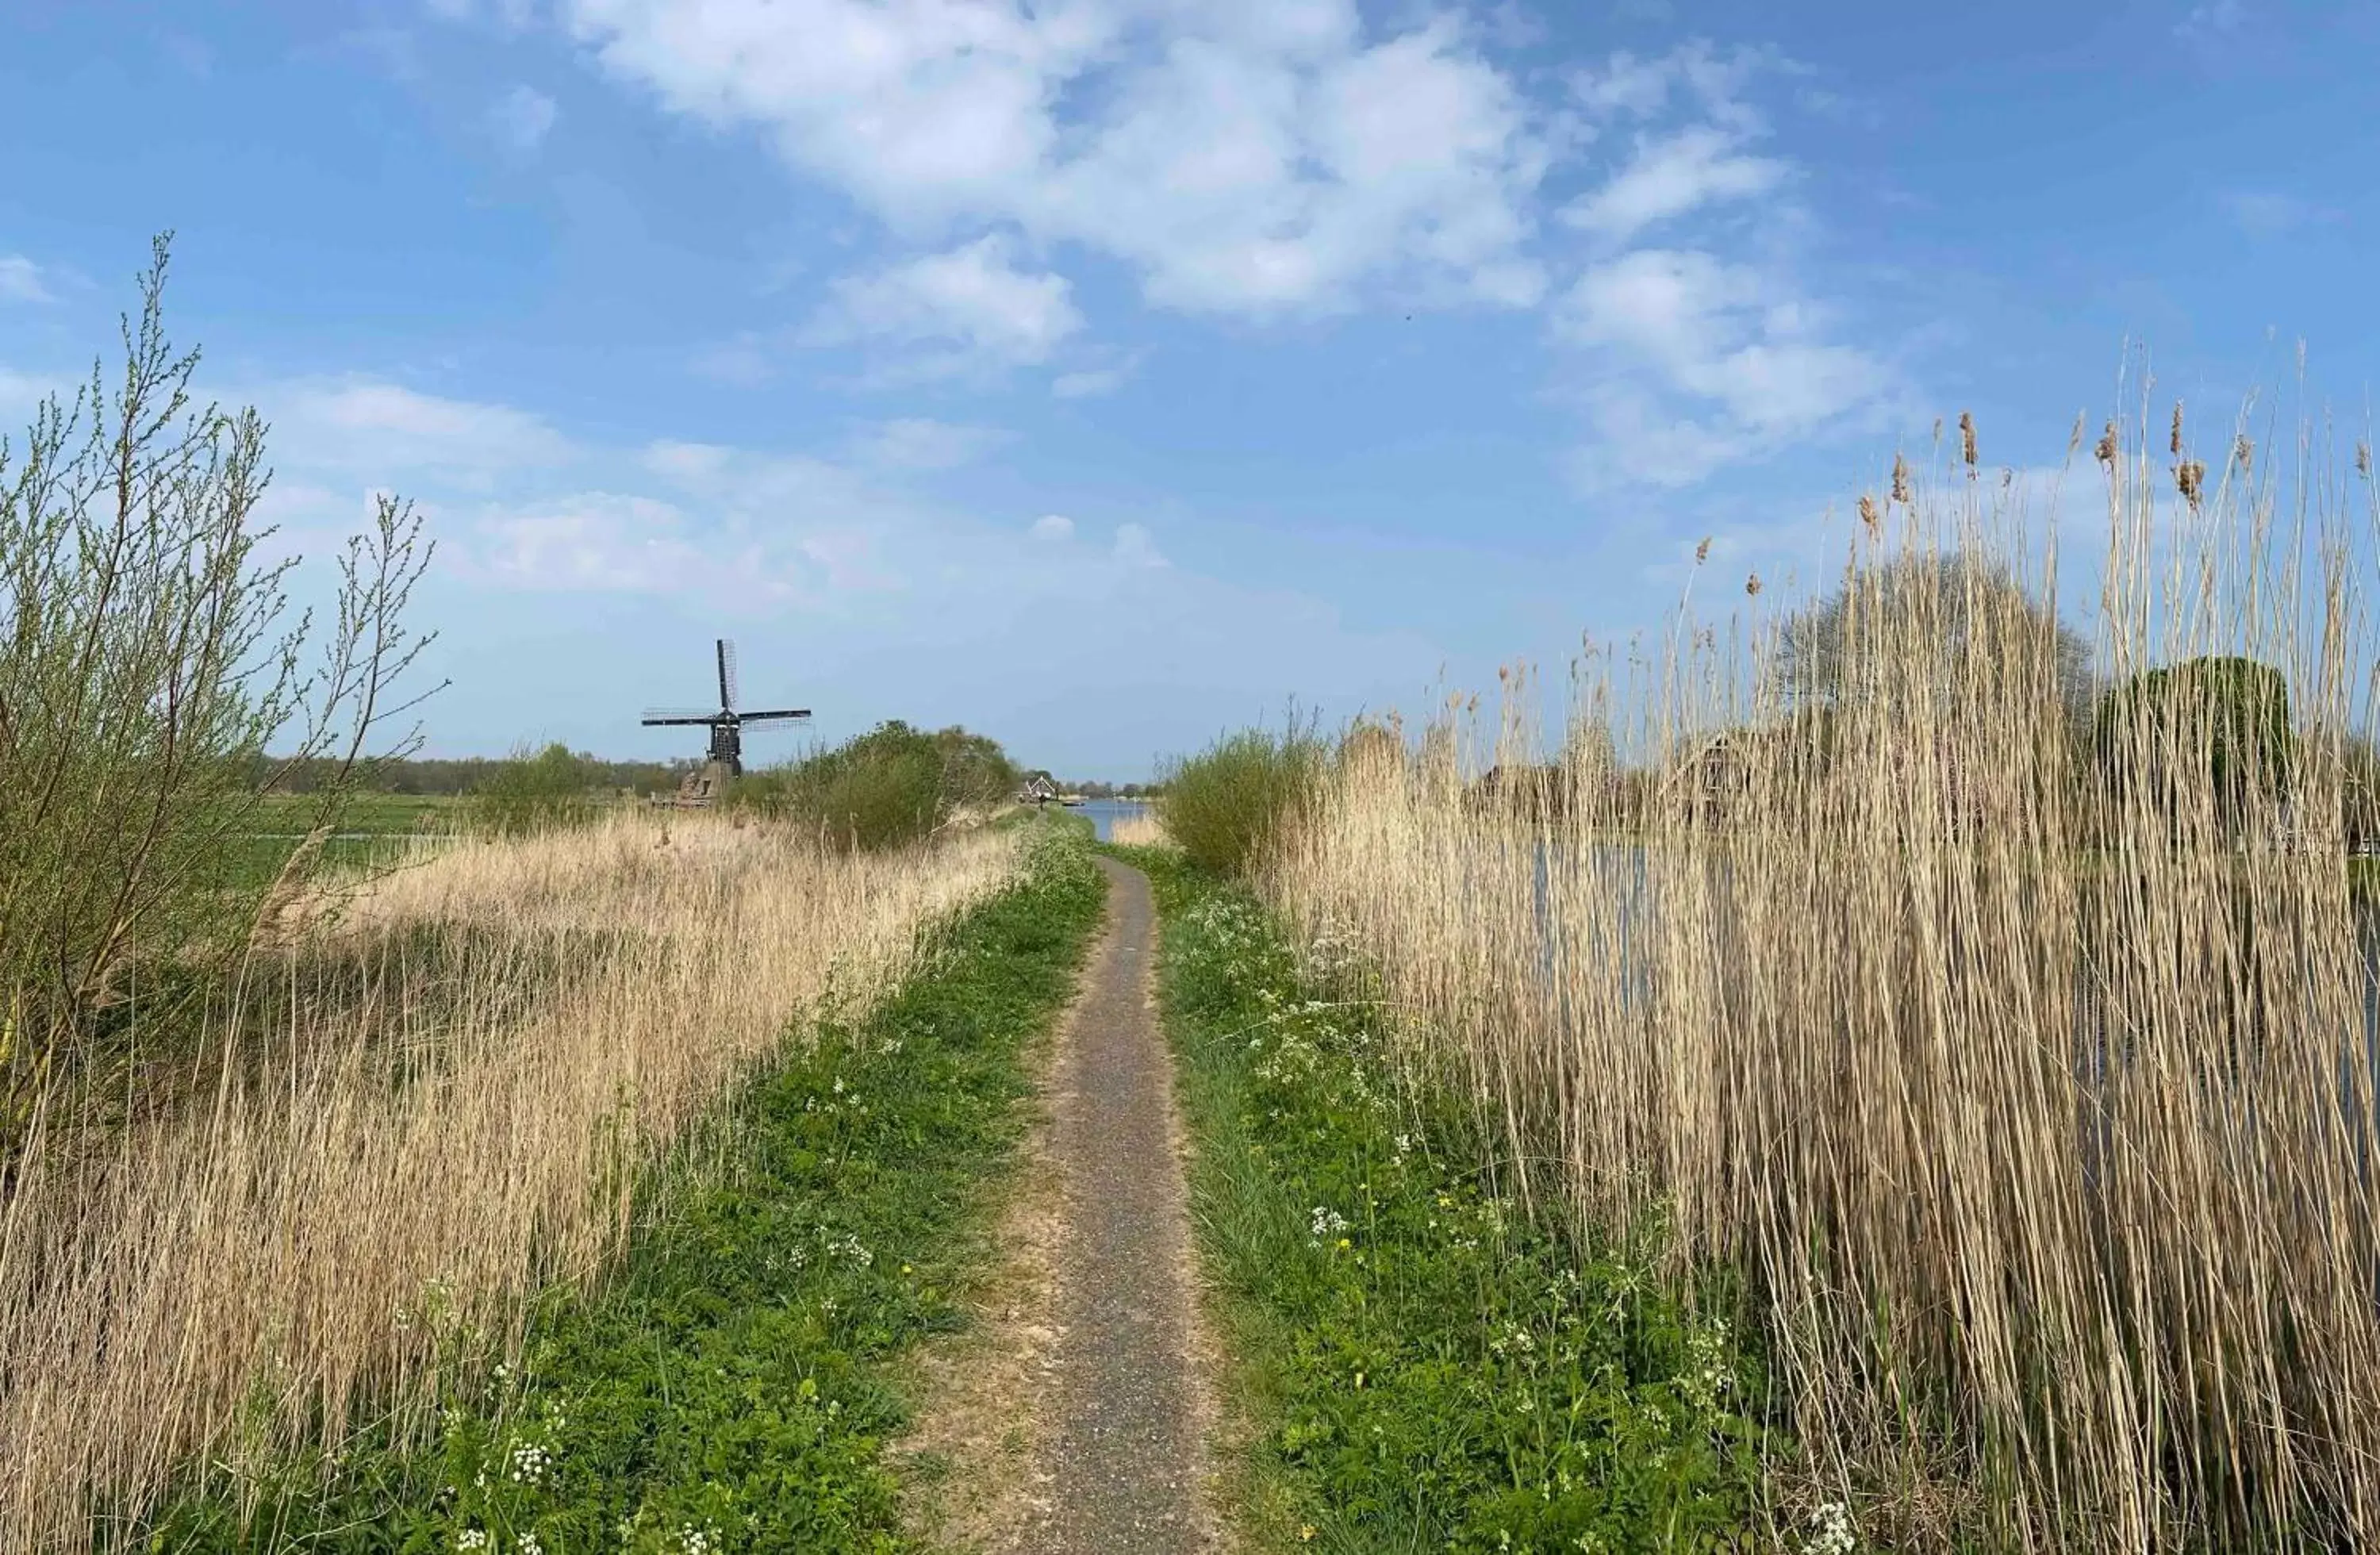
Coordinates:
[1102,372]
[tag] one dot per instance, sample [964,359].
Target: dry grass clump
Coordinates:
[323,1228]
[2016,1045]
[1141,828]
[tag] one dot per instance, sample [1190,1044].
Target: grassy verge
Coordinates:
[1419,1367]
[733,1387]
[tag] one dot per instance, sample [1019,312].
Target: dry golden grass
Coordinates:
[321,1229]
[1143,828]
[2037,1119]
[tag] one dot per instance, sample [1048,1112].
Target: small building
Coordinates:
[1039,790]
[1709,782]
[1536,792]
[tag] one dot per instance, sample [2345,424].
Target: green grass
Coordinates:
[372,833]
[733,1387]
[1418,1366]
[380,814]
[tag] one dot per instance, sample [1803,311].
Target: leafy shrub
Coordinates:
[2218,726]
[1225,804]
[540,792]
[146,656]
[893,785]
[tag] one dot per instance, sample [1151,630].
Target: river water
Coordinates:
[1105,813]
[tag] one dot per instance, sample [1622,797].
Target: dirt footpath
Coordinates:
[1075,1420]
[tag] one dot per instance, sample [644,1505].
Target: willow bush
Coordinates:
[893,785]
[148,654]
[555,787]
[1228,803]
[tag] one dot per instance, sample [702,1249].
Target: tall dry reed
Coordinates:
[303,1244]
[1141,828]
[2016,1049]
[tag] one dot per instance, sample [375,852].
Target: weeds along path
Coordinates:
[1077,1419]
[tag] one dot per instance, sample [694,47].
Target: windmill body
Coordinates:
[725,758]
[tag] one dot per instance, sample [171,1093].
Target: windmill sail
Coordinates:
[726,726]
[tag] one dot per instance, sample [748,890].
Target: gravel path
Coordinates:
[1124,1448]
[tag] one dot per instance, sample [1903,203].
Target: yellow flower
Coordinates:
[1307,1531]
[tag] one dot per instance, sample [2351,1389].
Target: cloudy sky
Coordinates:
[1102,372]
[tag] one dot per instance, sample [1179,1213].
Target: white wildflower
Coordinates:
[531,1464]
[1834,1532]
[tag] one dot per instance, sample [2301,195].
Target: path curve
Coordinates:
[1125,1450]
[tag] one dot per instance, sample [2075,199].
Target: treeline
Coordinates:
[467,775]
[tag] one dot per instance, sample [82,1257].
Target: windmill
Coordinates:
[726,726]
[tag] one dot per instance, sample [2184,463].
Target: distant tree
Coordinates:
[555,787]
[1918,630]
[2218,726]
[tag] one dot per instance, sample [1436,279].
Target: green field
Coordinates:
[374,830]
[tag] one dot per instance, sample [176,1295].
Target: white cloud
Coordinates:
[522,118]
[1711,82]
[920,444]
[887,601]
[688,463]
[968,313]
[746,532]
[1703,350]
[1698,362]
[596,541]
[1267,157]
[1135,547]
[1671,175]
[20,391]
[385,431]
[20,280]
[1242,157]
